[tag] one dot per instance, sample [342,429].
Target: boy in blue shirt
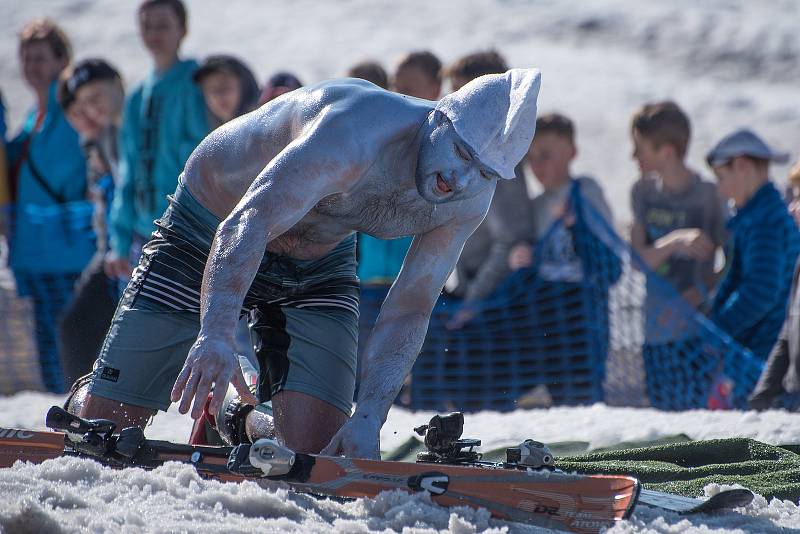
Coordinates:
[750,304]
[163,121]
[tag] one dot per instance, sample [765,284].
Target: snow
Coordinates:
[729,63]
[72,494]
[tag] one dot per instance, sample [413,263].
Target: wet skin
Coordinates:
[296,177]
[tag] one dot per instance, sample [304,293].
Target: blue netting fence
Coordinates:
[587,322]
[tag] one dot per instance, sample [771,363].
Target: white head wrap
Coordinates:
[496,115]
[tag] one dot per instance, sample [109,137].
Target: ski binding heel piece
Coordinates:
[272,458]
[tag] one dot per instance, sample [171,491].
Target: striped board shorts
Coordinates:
[303,316]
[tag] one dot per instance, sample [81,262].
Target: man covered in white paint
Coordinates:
[262,223]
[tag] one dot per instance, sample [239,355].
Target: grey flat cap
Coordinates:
[743,143]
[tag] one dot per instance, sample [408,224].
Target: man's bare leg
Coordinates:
[124,415]
[301,422]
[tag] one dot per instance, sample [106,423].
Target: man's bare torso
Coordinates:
[384,201]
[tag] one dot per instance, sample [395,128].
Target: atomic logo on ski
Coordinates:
[434,482]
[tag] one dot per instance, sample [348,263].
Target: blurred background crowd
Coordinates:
[89,169]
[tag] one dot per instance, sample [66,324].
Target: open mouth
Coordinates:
[442,187]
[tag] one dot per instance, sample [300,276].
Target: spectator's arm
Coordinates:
[509,223]
[653,255]
[759,282]
[195,122]
[770,383]
[123,211]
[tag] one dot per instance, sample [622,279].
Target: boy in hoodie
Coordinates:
[163,121]
[750,304]
[229,88]
[50,244]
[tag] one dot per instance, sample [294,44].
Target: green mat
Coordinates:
[674,464]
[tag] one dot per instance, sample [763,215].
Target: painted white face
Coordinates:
[447,167]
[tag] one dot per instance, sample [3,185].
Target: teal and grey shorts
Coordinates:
[303,317]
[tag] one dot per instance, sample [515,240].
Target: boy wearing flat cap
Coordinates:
[751,300]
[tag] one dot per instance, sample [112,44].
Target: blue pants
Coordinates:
[51,292]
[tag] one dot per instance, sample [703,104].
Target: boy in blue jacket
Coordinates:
[750,303]
[163,121]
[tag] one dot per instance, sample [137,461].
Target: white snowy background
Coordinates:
[729,63]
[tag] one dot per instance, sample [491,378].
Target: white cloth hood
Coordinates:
[496,115]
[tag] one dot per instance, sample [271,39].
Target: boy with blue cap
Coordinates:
[751,300]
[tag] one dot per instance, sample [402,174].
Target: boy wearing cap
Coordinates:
[163,121]
[750,304]
[91,94]
[263,221]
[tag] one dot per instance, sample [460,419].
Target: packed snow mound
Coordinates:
[75,494]
[80,495]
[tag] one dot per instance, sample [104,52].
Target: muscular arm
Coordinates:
[402,323]
[307,170]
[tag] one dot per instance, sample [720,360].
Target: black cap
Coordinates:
[88,70]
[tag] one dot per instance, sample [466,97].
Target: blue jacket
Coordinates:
[56,153]
[379,260]
[163,121]
[750,304]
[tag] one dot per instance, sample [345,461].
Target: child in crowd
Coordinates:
[469,67]
[679,220]
[229,88]
[163,121]
[678,227]
[750,304]
[483,263]
[419,74]
[370,71]
[278,84]
[51,241]
[550,156]
[575,268]
[91,94]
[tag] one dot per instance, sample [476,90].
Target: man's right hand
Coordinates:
[116,267]
[212,362]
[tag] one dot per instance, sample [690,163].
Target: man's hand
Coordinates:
[116,267]
[359,437]
[211,363]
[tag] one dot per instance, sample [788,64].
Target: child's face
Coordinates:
[649,158]
[735,180]
[222,92]
[97,105]
[550,155]
[161,31]
[412,81]
[40,66]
